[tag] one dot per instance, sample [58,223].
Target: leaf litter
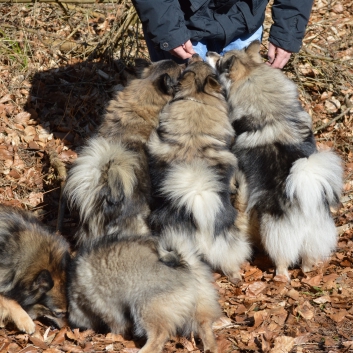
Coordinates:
[61,64]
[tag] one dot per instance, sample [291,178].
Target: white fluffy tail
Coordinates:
[196,187]
[103,169]
[315,179]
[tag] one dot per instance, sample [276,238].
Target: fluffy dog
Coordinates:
[135,282]
[290,184]
[192,169]
[109,182]
[32,271]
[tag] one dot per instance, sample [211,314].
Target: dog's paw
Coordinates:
[283,271]
[235,277]
[25,323]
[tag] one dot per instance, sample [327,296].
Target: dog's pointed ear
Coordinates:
[226,65]
[140,66]
[253,50]
[211,83]
[188,77]
[182,66]
[166,84]
[43,282]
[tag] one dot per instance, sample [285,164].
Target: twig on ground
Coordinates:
[322,127]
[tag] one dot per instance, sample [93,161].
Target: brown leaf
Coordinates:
[280,278]
[7,98]
[348,344]
[33,145]
[223,344]
[305,310]
[5,153]
[256,288]
[187,344]
[265,345]
[222,322]
[292,293]
[22,118]
[253,274]
[29,349]
[38,342]
[338,8]
[283,344]
[114,337]
[260,317]
[60,336]
[322,300]
[14,174]
[314,281]
[68,155]
[71,348]
[338,316]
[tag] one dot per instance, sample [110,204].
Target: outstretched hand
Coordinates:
[183,51]
[277,57]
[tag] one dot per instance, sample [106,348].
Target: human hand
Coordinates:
[183,51]
[277,57]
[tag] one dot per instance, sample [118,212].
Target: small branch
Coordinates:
[333,120]
[60,168]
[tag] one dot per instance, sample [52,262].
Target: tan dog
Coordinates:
[109,183]
[134,282]
[290,185]
[32,271]
[192,170]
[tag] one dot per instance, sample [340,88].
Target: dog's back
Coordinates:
[192,167]
[109,183]
[135,282]
[290,184]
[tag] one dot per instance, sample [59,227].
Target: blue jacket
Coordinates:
[170,23]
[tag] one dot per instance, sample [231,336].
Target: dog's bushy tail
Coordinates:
[315,181]
[177,249]
[195,187]
[101,177]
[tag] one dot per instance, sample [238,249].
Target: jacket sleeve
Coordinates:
[163,21]
[290,19]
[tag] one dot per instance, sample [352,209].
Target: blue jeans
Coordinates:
[202,47]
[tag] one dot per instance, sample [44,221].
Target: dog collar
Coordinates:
[187,99]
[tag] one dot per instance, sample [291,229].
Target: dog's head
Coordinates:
[236,65]
[164,74]
[198,78]
[42,290]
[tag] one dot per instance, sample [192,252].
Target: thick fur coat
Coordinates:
[32,271]
[289,184]
[109,183]
[192,170]
[136,282]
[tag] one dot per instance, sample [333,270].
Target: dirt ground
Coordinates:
[59,66]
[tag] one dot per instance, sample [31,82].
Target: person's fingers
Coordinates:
[281,59]
[180,52]
[189,48]
[277,57]
[271,53]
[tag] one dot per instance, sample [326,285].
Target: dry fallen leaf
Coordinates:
[255,288]
[283,344]
[314,281]
[338,315]
[305,310]
[222,322]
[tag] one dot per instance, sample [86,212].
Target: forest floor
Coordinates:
[59,66]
